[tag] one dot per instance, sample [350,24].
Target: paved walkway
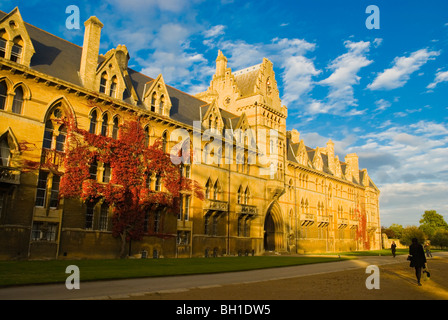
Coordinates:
[119,289]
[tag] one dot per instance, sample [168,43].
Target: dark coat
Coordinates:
[418,255]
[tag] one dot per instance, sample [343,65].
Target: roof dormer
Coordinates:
[112,77]
[156,97]
[212,119]
[15,42]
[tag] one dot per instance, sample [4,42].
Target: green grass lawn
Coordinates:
[39,272]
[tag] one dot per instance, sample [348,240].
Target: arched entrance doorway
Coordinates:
[269,233]
[273,232]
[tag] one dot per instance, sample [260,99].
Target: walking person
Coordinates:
[428,250]
[393,247]
[418,259]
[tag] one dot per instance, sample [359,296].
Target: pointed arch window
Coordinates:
[113,87]
[48,135]
[208,189]
[106,173]
[5,152]
[3,94]
[164,141]
[103,82]
[17,103]
[16,53]
[246,196]
[115,127]
[153,102]
[240,195]
[216,191]
[158,186]
[104,125]
[93,170]
[16,50]
[161,104]
[146,136]
[2,48]
[60,139]
[93,122]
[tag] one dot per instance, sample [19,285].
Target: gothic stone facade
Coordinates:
[312,202]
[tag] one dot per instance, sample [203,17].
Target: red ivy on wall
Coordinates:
[361,233]
[132,163]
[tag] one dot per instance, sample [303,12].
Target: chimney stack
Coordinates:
[330,155]
[353,165]
[90,52]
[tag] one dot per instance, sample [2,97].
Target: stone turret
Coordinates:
[221,64]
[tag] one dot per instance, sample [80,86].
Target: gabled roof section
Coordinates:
[156,92]
[16,30]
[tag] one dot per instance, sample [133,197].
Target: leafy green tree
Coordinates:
[397,230]
[431,222]
[440,238]
[412,232]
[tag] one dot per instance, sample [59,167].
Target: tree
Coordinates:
[411,232]
[394,231]
[431,222]
[128,192]
[440,238]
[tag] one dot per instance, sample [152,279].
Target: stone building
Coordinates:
[265,190]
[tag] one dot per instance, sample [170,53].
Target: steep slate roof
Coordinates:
[61,59]
[246,79]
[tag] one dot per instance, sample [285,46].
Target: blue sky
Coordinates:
[381,93]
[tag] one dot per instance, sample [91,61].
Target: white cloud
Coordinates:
[382,105]
[398,75]
[214,32]
[408,164]
[405,203]
[441,76]
[377,42]
[298,70]
[340,99]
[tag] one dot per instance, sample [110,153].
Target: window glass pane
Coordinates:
[93,120]
[104,125]
[3,94]
[5,152]
[36,233]
[60,139]
[115,129]
[48,135]
[51,232]
[41,189]
[103,85]
[93,169]
[89,215]
[54,197]
[18,101]
[2,48]
[16,53]
[103,216]
[113,88]
[106,173]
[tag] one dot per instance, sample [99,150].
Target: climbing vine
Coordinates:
[361,233]
[128,192]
